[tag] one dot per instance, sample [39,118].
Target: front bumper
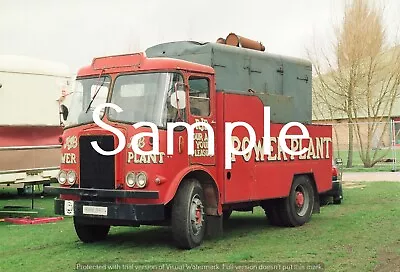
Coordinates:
[86,192]
[110,211]
[93,208]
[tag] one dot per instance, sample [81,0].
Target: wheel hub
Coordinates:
[299,199]
[196,214]
[302,200]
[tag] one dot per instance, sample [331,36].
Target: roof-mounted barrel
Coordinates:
[239,41]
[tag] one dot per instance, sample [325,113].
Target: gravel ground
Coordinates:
[371,176]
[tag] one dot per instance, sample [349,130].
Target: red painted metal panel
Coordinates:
[257,176]
[29,159]
[238,187]
[162,166]
[29,135]
[147,64]
[119,61]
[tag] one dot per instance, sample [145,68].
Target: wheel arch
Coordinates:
[210,188]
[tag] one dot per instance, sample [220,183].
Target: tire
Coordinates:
[188,218]
[272,212]
[297,208]
[324,200]
[337,200]
[90,233]
[227,214]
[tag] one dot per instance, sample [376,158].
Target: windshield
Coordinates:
[84,91]
[146,98]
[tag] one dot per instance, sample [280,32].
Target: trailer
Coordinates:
[191,93]
[31,91]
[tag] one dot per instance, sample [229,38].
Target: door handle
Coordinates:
[180,144]
[213,122]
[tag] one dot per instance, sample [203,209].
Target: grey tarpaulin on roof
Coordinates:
[283,83]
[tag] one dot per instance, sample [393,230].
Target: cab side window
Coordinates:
[199,96]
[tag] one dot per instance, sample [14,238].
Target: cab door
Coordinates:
[201,109]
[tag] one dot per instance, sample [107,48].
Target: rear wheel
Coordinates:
[90,233]
[297,208]
[272,212]
[188,218]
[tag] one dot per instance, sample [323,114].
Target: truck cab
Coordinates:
[131,188]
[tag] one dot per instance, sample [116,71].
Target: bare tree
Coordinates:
[324,110]
[361,80]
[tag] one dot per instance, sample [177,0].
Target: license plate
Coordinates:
[94,210]
[69,207]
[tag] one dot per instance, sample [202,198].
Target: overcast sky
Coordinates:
[75,31]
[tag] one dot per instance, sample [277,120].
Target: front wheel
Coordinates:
[188,218]
[90,233]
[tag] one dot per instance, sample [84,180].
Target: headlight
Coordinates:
[141,180]
[130,179]
[71,177]
[62,177]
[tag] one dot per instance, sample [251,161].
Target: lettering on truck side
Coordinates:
[318,148]
[68,158]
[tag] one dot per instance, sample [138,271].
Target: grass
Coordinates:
[359,235]
[358,165]
[377,168]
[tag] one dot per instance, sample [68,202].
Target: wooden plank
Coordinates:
[6,182]
[34,182]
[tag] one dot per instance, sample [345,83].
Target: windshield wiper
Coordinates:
[95,94]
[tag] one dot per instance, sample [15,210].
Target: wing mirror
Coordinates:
[178,97]
[64,112]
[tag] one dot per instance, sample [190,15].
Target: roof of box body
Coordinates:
[29,65]
[179,48]
[281,82]
[239,69]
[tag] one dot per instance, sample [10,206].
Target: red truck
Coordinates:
[190,82]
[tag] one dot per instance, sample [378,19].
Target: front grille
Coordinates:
[96,171]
